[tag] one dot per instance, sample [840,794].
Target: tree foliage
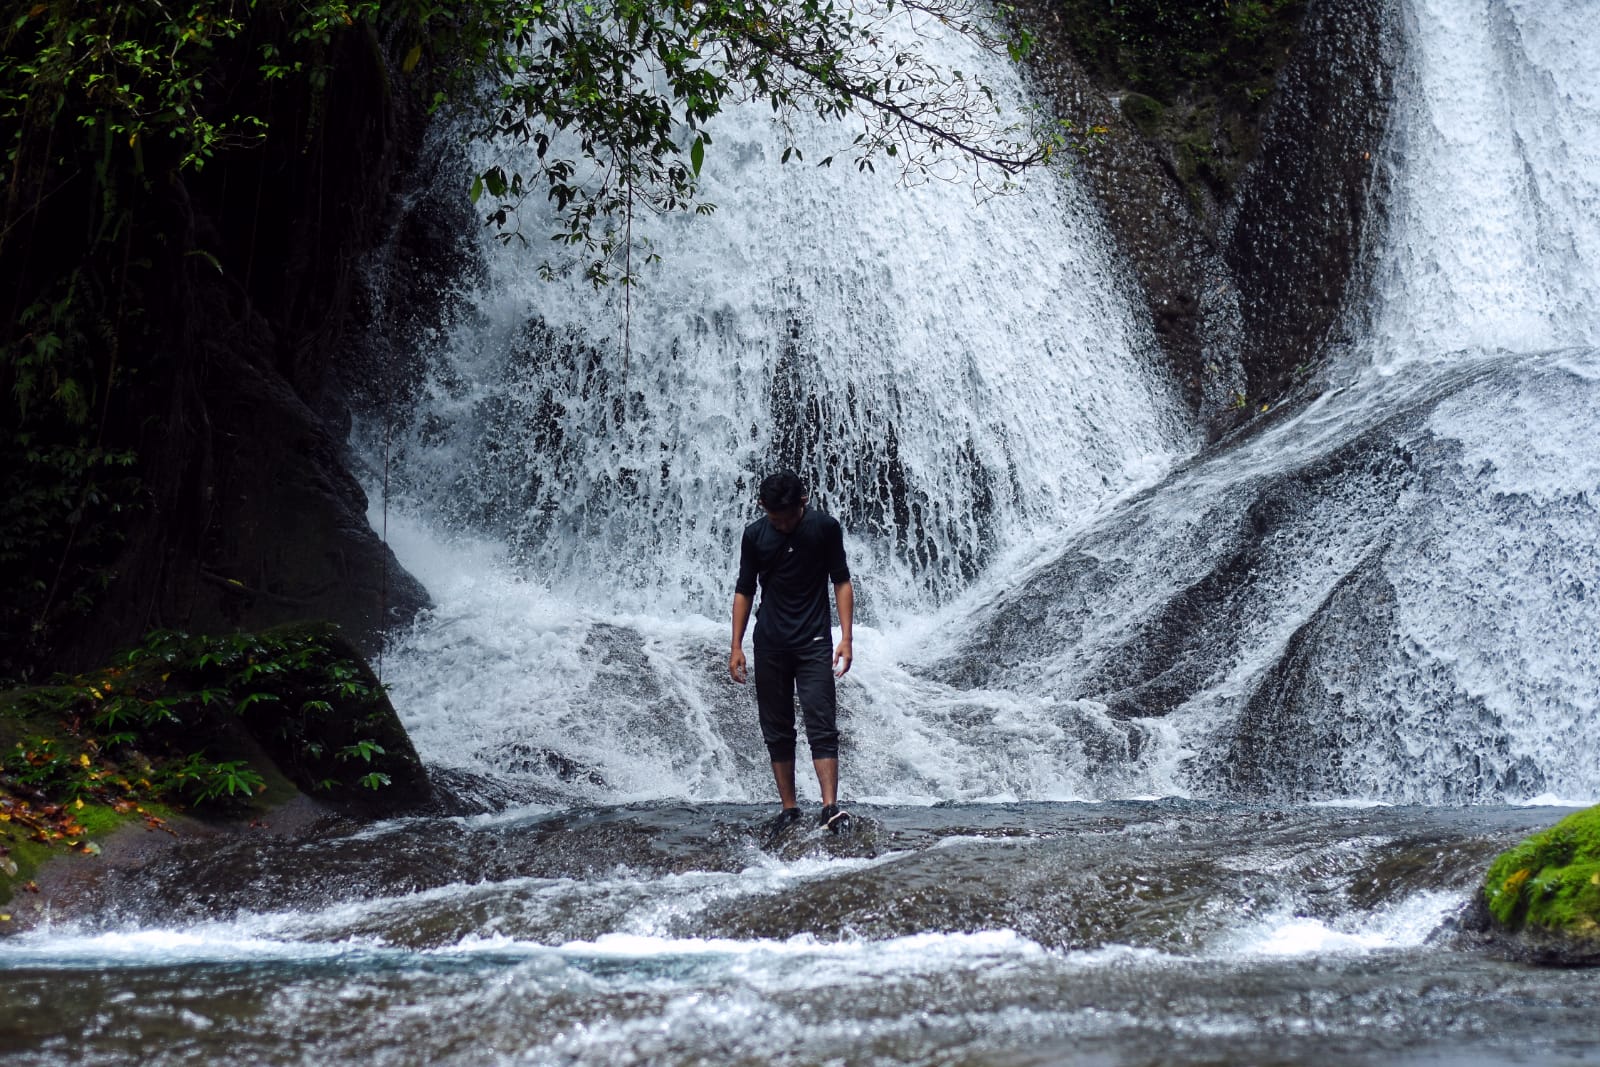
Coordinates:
[616,96]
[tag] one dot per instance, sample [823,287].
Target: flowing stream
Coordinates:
[1158,755]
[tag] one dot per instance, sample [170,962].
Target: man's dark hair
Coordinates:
[782,491]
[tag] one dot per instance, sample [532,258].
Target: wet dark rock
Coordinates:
[1234,164]
[1174,647]
[1155,609]
[1417,864]
[458,792]
[1278,749]
[1300,220]
[535,759]
[407,299]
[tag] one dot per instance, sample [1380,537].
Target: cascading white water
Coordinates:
[1390,595]
[1494,151]
[1494,247]
[952,377]
[1482,682]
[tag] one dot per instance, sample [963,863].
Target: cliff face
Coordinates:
[1231,150]
[250,514]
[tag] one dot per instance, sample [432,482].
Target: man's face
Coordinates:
[784,520]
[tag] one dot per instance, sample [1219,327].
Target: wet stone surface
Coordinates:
[1127,933]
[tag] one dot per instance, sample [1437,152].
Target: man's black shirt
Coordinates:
[794,570]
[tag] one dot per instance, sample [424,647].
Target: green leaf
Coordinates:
[697,154]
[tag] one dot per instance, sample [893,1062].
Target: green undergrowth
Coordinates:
[1551,881]
[226,726]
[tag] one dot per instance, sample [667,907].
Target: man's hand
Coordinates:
[741,616]
[841,659]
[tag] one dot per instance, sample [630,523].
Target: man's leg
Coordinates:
[774,673]
[783,773]
[818,701]
[827,778]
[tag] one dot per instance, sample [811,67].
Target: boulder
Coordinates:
[1540,901]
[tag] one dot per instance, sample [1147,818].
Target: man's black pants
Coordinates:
[779,674]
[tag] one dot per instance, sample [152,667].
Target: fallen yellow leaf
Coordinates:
[79,802]
[83,761]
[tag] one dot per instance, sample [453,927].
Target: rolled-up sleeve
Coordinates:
[746,585]
[838,568]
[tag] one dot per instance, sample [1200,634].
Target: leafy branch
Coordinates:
[615,98]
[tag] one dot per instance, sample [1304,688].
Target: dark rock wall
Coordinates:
[1295,241]
[1241,199]
[252,516]
[426,256]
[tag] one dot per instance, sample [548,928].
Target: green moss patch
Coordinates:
[33,833]
[1550,883]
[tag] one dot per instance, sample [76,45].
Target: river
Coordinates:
[1152,932]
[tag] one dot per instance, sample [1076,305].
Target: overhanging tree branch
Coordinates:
[631,85]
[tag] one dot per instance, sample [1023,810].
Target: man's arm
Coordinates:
[845,595]
[741,619]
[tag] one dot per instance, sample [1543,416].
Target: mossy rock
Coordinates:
[226,727]
[1143,111]
[313,750]
[1542,898]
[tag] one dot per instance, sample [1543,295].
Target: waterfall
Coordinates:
[1388,593]
[1494,154]
[1384,593]
[953,376]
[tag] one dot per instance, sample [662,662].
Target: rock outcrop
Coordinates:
[1540,901]
[234,727]
[1233,155]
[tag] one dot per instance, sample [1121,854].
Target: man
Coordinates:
[793,552]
